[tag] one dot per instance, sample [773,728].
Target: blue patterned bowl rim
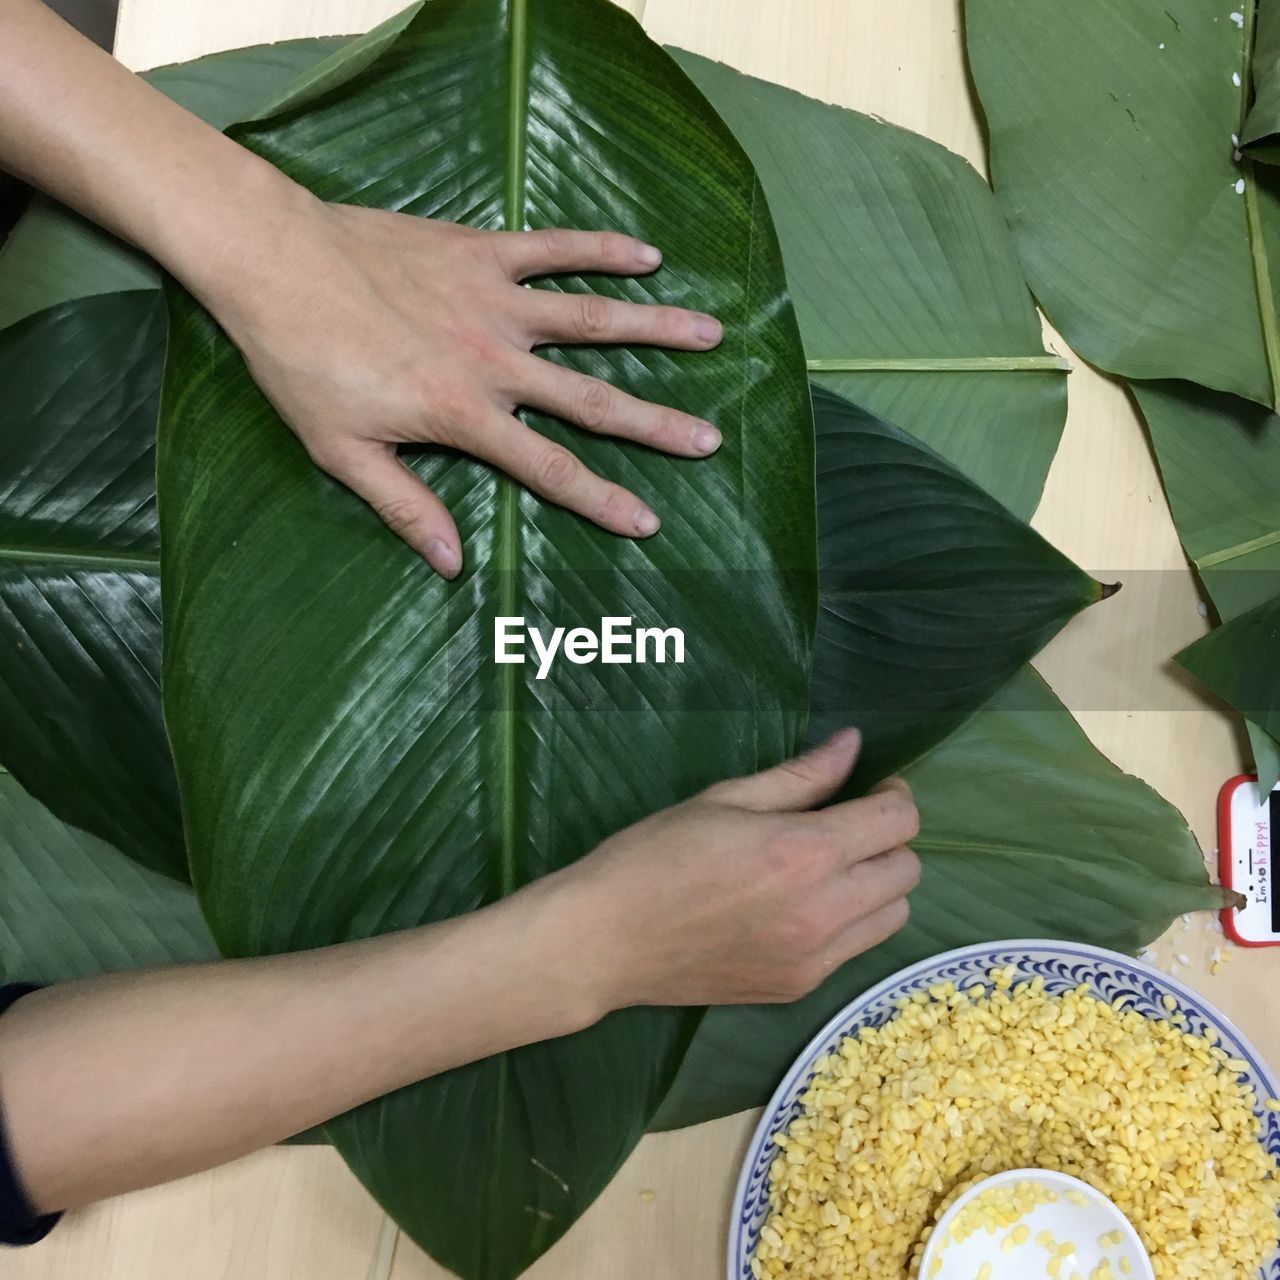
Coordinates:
[1063,965]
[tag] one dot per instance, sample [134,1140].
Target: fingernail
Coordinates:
[649,256]
[706,439]
[444,559]
[707,329]
[844,739]
[646,522]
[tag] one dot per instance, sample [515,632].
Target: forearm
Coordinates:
[80,126]
[121,1082]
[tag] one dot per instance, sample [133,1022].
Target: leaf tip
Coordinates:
[1107,589]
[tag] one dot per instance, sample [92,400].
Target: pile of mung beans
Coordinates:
[962,1084]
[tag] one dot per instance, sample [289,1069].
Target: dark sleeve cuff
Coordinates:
[19,1222]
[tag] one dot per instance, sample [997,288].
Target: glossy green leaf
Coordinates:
[902,268]
[350,757]
[1111,125]
[1260,137]
[1027,831]
[932,595]
[71,906]
[80,719]
[55,256]
[1240,661]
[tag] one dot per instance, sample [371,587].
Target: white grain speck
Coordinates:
[1235,79]
[1239,186]
[1160,45]
[1202,609]
[1238,19]
[1235,139]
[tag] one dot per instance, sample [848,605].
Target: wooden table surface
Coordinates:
[297,1214]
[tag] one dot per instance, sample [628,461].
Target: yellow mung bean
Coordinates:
[963,1084]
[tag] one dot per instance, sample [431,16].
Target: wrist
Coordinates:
[574,945]
[228,252]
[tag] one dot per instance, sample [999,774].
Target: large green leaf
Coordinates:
[1026,831]
[79,572]
[928,588]
[55,256]
[71,906]
[1111,127]
[350,758]
[1241,663]
[904,276]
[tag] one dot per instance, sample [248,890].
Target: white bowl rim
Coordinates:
[803,1063]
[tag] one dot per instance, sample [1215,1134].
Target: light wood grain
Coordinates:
[297,1213]
[284,1214]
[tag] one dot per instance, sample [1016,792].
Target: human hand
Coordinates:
[368,329]
[743,895]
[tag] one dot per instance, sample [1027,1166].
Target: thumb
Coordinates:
[405,505]
[799,783]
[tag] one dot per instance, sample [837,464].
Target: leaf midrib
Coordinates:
[125,562]
[508,548]
[509,541]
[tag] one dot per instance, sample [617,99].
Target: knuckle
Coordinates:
[803,770]
[897,914]
[555,470]
[801,857]
[672,427]
[399,514]
[909,817]
[609,508]
[448,401]
[591,318]
[911,868]
[594,403]
[799,930]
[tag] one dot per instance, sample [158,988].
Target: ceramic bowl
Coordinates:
[1062,965]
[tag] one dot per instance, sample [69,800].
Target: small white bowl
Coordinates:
[1079,1215]
[1063,966]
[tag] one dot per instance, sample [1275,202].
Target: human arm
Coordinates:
[739,895]
[365,329]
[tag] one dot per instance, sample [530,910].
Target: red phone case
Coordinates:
[1224,857]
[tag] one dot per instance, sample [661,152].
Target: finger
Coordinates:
[599,407]
[549,316]
[523,254]
[404,504]
[561,477]
[882,819]
[875,883]
[866,933]
[800,783]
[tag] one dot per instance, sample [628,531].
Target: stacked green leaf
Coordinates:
[1154,246]
[310,655]
[75,907]
[79,572]
[908,292]
[933,595]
